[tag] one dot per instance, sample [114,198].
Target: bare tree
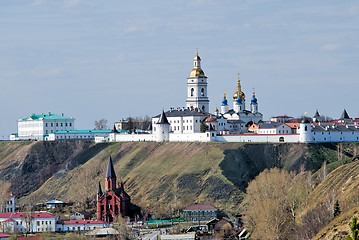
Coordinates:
[4,194]
[273,199]
[101,124]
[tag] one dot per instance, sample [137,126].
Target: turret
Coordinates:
[316,117]
[110,177]
[305,131]
[254,103]
[162,129]
[224,106]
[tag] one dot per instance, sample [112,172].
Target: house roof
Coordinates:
[200,207]
[49,116]
[54,202]
[2,235]
[163,119]
[14,215]
[72,222]
[83,212]
[9,220]
[345,115]
[186,112]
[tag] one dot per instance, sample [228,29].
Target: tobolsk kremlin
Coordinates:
[238,120]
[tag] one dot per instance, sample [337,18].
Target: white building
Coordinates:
[28,222]
[9,204]
[79,225]
[38,127]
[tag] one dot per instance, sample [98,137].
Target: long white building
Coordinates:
[38,127]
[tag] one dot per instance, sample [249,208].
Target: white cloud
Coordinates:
[246,25]
[331,46]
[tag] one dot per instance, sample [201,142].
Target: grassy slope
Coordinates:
[160,176]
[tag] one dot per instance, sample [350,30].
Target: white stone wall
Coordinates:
[258,138]
[194,137]
[337,136]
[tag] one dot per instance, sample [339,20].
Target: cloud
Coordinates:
[246,25]
[331,46]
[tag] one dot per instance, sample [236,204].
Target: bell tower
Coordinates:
[197,87]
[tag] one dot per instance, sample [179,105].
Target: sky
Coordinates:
[114,59]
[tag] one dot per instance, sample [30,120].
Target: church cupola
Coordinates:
[239,95]
[254,103]
[224,106]
[197,61]
[110,177]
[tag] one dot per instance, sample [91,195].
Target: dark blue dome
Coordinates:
[239,101]
[224,102]
[254,101]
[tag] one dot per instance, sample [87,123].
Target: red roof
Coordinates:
[83,222]
[22,214]
[210,119]
[4,235]
[9,220]
[200,207]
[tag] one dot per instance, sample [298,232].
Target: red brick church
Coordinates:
[114,201]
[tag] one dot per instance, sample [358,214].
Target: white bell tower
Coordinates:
[197,87]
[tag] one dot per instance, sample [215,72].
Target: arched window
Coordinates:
[203,108]
[202,92]
[192,91]
[305,128]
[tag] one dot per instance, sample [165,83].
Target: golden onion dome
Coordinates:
[239,93]
[197,73]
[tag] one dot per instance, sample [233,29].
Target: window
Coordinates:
[57,124]
[192,91]
[61,124]
[70,124]
[46,124]
[52,124]
[202,92]
[65,124]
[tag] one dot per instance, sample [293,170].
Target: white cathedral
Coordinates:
[189,119]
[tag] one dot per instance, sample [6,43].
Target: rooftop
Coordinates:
[49,116]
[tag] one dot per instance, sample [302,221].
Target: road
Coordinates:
[152,236]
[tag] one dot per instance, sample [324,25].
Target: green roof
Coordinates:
[83,131]
[49,116]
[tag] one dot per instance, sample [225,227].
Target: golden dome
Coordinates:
[197,73]
[239,93]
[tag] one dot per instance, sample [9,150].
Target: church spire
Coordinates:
[99,190]
[110,172]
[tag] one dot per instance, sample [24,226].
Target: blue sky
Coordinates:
[114,59]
